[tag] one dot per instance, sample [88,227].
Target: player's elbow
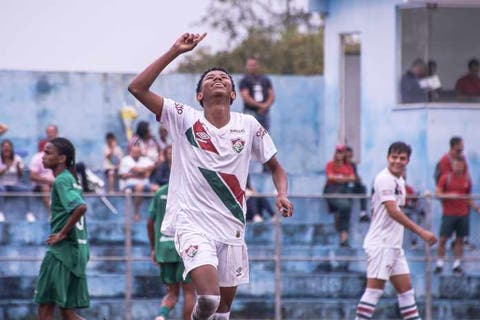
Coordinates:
[134,89]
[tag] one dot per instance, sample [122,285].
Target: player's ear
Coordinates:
[233,95]
[62,159]
[199,96]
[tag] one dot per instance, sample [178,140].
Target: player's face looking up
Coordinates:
[214,84]
[397,161]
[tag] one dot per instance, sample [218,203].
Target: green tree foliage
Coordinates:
[286,40]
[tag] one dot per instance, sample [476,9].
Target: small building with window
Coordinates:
[402,70]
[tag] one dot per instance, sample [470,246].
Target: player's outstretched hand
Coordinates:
[188,41]
[55,238]
[429,237]
[284,206]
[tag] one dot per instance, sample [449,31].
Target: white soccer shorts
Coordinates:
[382,263]
[197,250]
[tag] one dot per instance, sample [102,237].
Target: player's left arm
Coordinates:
[281,184]
[77,213]
[396,214]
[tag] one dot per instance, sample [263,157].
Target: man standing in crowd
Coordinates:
[257,93]
[455,212]
[468,86]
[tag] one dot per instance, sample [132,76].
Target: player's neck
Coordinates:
[58,169]
[217,114]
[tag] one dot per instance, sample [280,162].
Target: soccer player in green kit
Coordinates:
[164,254]
[62,281]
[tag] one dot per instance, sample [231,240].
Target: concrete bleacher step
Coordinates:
[251,309]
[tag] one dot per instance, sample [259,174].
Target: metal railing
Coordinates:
[277,257]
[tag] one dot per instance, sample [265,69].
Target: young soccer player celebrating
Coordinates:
[62,281]
[206,207]
[383,242]
[163,253]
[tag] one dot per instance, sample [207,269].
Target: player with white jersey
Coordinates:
[211,151]
[384,240]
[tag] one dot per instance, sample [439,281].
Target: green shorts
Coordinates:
[56,284]
[171,273]
[453,223]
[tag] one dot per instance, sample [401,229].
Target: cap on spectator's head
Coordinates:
[340,148]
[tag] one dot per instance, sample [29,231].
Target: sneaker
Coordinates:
[364,218]
[257,218]
[2,217]
[159,318]
[30,217]
[458,271]
[438,270]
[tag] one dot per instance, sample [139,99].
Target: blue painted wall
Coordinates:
[86,105]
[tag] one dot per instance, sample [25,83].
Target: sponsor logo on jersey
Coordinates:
[261,132]
[238,144]
[239,272]
[238,131]
[191,251]
[202,135]
[179,107]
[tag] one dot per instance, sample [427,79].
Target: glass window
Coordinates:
[439,51]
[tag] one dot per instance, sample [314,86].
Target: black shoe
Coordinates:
[458,271]
[438,270]
[364,218]
[345,244]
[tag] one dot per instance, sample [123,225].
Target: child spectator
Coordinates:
[41,177]
[358,186]
[112,154]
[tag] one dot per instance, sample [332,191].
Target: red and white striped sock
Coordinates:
[408,306]
[367,303]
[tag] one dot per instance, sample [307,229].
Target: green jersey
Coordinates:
[165,251]
[73,251]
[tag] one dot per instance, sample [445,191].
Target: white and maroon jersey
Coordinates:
[209,171]
[384,232]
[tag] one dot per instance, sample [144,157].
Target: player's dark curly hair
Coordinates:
[199,84]
[400,147]
[66,148]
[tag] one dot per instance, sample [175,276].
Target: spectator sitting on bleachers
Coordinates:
[11,172]
[147,143]
[161,174]
[112,154]
[134,172]
[358,186]
[340,176]
[164,140]
[51,132]
[468,86]
[41,177]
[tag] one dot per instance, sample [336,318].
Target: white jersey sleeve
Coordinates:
[174,117]
[263,148]
[385,187]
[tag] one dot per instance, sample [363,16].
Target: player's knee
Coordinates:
[206,306]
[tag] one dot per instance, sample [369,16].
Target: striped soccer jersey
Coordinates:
[209,171]
[384,232]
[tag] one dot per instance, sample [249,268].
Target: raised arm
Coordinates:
[140,85]
[402,218]
[280,180]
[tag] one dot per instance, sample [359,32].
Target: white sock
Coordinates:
[408,306]
[221,316]
[440,262]
[456,263]
[367,303]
